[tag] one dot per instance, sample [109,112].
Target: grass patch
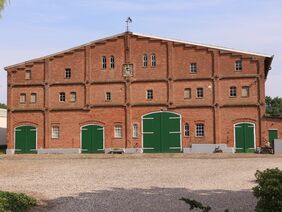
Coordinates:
[15,202]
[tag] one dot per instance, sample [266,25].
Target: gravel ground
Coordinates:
[135,182]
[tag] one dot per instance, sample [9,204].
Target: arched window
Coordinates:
[112,62]
[186,130]
[145,60]
[153,60]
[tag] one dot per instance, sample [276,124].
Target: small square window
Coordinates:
[73,96]
[67,73]
[33,98]
[108,96]
[62,97]
[27,74]
[200,92]
[55,132]
[245,91]
[200,130]
[187,93]
[186,130]
[135,131]
[22,98]
[232,91]
[238,65]
[150,95]
[118,131]
[193,67]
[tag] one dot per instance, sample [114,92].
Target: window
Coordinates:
[104,62]
[67,73]
[187,93]
[238,65]
[200,93]
[153,60]
[112,62]
[135,131]
[200,130]
[108,96]
[28,75]
[186,130]
[73,96]
[22,98]
[145,60]
[118,131]
[150,94]
[232,91]
[245,91]
[62,97]
[55,132]
[193,67]
[33,98]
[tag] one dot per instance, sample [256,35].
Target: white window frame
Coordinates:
[200,130]
[104,62]
[186,130]
[150,94]
[108,96]
[33,97]
[187,91]
[67,73]
[22,98]
[28,75]
[238,65]
[193,68]
[73,96]
[233,91]
[118,131]
[153,60]
[200,91]
[135,130]
[55,132]
[145,61]
[62,97]
[112,62]
[248,91]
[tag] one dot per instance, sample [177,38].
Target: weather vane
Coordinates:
[128,20]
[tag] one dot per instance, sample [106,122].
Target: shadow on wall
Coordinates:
[153,199]
[3,136]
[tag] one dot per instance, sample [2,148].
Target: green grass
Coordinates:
[15,202]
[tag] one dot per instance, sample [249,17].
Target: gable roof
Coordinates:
[147,36]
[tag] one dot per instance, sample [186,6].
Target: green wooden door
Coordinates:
[92,139]
[25,139]
[272,134]
[244,137]
[161,132]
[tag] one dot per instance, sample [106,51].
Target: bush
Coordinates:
[195,204]
[269,190]
[10,202]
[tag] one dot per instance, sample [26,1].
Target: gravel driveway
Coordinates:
[135,182]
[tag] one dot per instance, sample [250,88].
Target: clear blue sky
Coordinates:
[34,28]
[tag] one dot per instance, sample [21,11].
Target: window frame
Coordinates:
[57,135]
[108,96]
[33,95]
[190,93]
[198,130]
[197,93]
[68,73]
[150,94]
[232,91]
[193,68]
[248,91]
[186,131]
[145,60]
[73,94]
[22,95]
[62,95]
[238,65]
[27,75]
[135,132]
[117,130]
[153,60]
[112,62]
[104,62]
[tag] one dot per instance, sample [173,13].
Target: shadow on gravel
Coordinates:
[153,199]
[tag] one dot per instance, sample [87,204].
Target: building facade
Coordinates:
[3,127]
[138,93]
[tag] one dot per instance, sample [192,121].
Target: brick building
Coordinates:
[139,93]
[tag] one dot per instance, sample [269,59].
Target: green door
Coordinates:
[92,139]
[161,132]
[25,139]
[244,137]
[272,134]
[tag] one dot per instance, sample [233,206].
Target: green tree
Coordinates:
[2,5]
[2,105]
[273,105]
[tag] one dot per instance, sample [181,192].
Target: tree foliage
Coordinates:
[2,5]
[273,105]
[2,105]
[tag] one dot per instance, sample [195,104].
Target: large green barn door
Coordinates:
[92,139]
[244,137]
[161,132]
[25,139]
[272,134]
